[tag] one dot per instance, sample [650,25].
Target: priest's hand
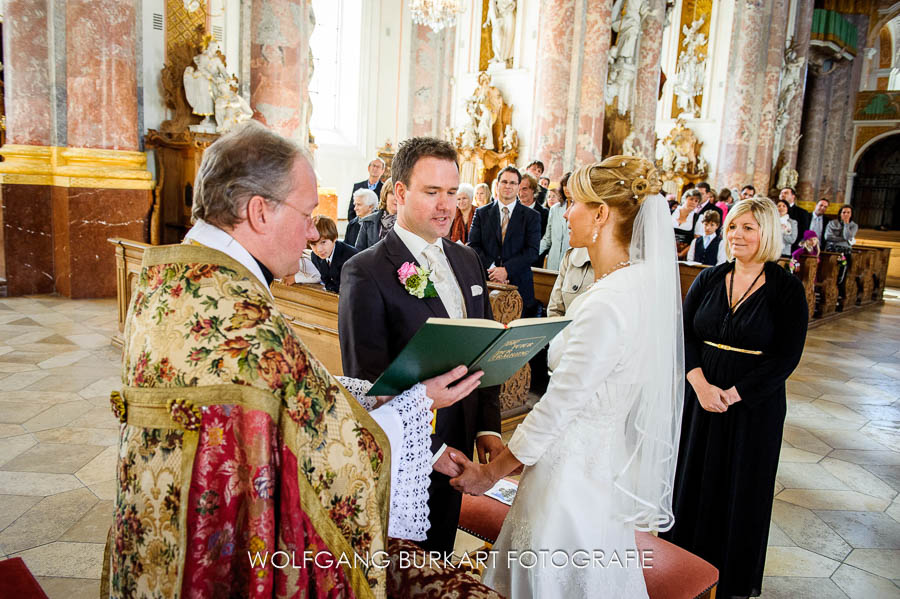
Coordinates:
[442,394]
[489,447]
[446,465]
[475,479]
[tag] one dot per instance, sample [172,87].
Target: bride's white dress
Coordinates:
[572,449]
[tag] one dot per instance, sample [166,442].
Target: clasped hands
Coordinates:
[714,399]
[498,274]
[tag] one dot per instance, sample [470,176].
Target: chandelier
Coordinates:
[435,14]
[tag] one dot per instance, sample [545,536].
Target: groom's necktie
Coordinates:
[444,281]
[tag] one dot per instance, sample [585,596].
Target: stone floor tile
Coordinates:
[778,538]
[802,388]
[839,410]
[806,440]
[805,529]
[102,387]
[64,382]
[866,530]
[64,359]
[39,484]
[893,511]
[884,432]
[816,499]
[100,469]
[858,584]
[70,560]
[842,439]
[889,474]
[58,415]
[864,457]
[59,458]
[858,478]
[47,520]
[97,417]
[13,506]
[14,367]
[93,526]
[824,422]
[77,435]
[12,447]
[69,588]
[793,587]
[105,490]
[798,475]
[44,397]
[20,380]
[18,412]
[31,336]
[90,340]
[881,562]
[796,561]
[11,430]
[791,454]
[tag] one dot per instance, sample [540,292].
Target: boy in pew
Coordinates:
[709,248]
[329,254]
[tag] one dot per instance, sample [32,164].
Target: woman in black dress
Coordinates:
[744,329]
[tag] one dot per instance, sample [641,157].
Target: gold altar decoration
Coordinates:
[182,25]
[59,166]
[386,153]
[692,10]
[487,142]
[679,159]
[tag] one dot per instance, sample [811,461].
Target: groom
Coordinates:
[377,316]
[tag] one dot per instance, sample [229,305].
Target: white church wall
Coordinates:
[153,57]
[708,126]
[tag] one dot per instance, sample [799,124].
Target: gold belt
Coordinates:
[752,352]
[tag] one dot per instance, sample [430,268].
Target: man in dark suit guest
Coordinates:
[707,202]
[363,202]
[377,315]
[818,221]
[527,191]
[376,169]
[747,192]
[329,254]
[536,169]
[507,237]
[797,213]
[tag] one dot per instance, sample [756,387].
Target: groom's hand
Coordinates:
[446,465]
[473,479]
[489,447]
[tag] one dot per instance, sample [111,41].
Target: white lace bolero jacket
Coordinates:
[406,420]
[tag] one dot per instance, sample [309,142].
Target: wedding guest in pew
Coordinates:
[482,195]
[307,272]
[575,275]
[789,226]
[840,235]
[809,246]
[708,249]
[364,202]
[555,241]
[329,254]
[744,328]
[725,201]
[374,227]
[747,192]
[684,219]
[818,222]
[462,221]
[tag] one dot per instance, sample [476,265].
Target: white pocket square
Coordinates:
[476,290]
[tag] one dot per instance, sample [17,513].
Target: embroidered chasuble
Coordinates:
[235,439]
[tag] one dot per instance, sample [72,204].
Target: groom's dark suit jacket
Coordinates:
[377,317]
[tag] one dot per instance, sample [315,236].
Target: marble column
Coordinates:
[749,88]
[279,66]
[809,162]
[765,140]
[72,175]
[430,80]
[803,29]
[646,84]
[843,165]
[832,149]
[570,107]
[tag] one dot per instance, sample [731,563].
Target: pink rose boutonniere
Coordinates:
[416,280]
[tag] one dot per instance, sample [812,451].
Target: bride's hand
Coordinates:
[474,479]
[440,392]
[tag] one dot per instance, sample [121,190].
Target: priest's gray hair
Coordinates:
[249,161]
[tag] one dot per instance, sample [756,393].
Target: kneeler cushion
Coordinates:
[676,573]
[17,581]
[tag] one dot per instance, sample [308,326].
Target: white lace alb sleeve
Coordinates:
[410,455]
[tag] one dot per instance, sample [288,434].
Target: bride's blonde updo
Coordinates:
[620,182]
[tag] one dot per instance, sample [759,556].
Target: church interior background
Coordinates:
[100,140]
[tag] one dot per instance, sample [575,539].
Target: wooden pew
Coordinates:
[851,287]
[313,313]
[688,272]
[880,263]
[865,281]
[807,275]
[826,284]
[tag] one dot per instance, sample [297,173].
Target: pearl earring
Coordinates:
[594,238]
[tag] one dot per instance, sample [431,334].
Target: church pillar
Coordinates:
[751,95]
[573,46]
[646,85]
[795,108]
[279,66]
[75,171]
[431,76]
[843,167]
[811,143]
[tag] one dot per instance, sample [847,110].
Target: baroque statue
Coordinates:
[623,55]
[790,83]
[211,91]
[678,158]
[690,71]
[502,19]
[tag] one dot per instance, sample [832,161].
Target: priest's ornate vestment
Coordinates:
[237,443]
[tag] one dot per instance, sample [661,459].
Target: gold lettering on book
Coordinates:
[516,348]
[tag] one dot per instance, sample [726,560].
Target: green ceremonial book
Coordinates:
[441,344]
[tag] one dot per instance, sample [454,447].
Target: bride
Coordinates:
[599,448]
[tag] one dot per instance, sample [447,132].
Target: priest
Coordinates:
[244,468]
